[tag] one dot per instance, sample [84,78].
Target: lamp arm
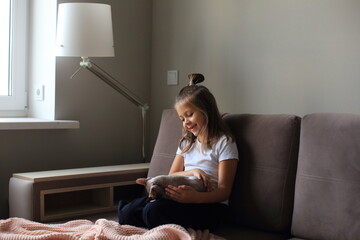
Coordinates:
[112,82]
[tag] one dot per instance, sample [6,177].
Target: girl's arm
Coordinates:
[186,194]
[177,168]
[177,165]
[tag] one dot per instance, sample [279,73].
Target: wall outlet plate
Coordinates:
[39,93]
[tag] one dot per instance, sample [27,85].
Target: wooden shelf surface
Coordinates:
[73,173]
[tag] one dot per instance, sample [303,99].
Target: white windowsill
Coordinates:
[36,123]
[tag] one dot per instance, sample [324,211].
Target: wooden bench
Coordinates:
[59,194]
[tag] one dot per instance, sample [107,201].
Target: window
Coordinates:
[4,47]
[13,59]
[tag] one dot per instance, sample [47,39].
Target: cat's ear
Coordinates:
[142,181]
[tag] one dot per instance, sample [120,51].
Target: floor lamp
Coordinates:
[85,30]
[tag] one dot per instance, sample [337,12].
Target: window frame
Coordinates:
[16,104]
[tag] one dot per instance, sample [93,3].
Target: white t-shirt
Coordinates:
[208,160]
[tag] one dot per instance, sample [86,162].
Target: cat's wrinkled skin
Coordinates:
[155,186]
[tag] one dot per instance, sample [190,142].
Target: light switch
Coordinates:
[172,77]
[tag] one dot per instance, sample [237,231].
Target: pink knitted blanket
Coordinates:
[102,229]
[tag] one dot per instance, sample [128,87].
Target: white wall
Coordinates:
[259,56]
[42,58]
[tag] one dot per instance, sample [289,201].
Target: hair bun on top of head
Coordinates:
[195,78]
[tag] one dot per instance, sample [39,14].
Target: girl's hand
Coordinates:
[182,194]
[204,177]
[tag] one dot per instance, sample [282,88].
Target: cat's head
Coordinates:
[154,190]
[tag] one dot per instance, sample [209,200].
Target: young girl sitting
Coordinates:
[207,151]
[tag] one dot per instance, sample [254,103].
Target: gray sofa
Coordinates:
[297,178]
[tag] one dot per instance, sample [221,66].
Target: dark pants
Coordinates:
[149,213]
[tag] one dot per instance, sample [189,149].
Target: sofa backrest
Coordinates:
[263,190]
[327,193]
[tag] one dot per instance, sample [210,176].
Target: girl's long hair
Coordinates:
[201,98]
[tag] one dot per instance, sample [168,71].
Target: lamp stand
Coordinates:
[112,82]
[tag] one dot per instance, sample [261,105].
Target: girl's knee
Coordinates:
[131,213]
[155,214]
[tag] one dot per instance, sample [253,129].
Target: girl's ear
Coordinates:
[141,181]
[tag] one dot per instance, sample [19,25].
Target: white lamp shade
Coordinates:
[84,30]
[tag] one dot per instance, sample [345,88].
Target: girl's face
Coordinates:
[192,118]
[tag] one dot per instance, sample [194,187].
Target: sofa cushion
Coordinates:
[263,190]
[327,195]
[166,143]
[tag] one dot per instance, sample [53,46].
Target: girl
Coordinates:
[206,151]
